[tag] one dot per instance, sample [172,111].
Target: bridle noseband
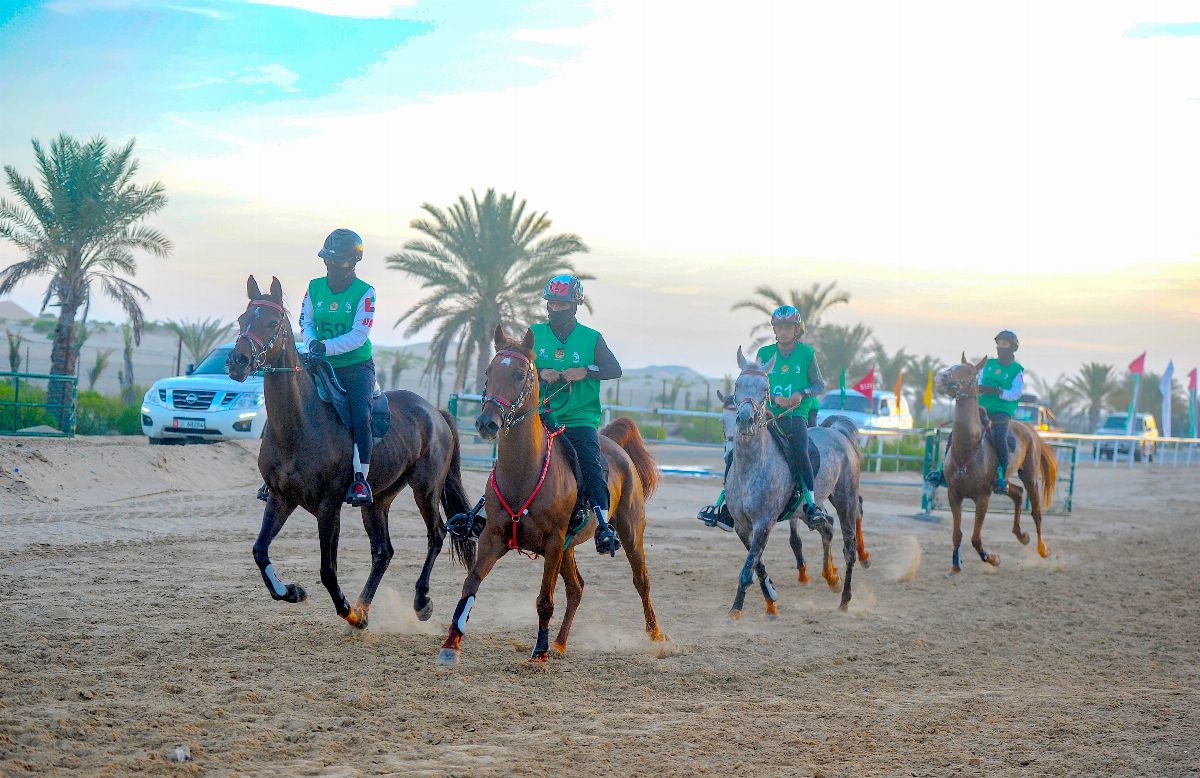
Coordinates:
[954,387]
[760,415]
[259,348]
[511,413]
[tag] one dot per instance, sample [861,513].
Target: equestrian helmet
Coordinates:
[342,245]
[1010,335]
[564,289]
[787,314]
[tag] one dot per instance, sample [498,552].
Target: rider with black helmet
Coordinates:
[335,322]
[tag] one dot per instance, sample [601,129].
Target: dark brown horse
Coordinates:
[970,466]
[304,460]
[533,479]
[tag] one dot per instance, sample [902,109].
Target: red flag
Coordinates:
[866,385]
[1192,380]
[1138,366]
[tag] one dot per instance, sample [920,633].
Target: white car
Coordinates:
[204,405]
[880,414]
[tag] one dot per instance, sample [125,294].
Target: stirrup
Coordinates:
[469,525]
[816,517]
[936,478]
[1000,487]
[360,493]
[712,516]
[607,541]
[264,492]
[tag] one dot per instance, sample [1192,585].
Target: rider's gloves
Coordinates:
[317,347]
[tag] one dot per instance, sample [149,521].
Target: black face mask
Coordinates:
[561,319]
[1006,354]
[339,276]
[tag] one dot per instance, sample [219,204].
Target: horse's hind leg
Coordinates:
[274,516]
[863,556]
[798,550]
[849,515]
[435,535]
[829,570]
[491,548]
[573,583]
[977,535]
[1035,508]
[375,521]
[768,590]
[631,541]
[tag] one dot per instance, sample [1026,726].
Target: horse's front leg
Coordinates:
[977,535]
[545,599]
[955,500]
[375,521]
[329,526]
[274,516]
[491,548]
[755,544]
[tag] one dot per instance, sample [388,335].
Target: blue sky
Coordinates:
[958,167]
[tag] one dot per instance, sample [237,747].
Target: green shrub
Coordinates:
[98,414]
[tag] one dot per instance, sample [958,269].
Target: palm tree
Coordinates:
[1092,387]
[917,379]
[485,262]
[812,304]
[841,348]
[1056,396]
[126,374]
[402,360]
[14,350]
[200,336]
[101,364]
[81,230]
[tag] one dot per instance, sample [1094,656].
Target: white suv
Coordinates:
[880,413]
[204,405]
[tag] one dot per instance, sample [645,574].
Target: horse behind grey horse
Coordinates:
[760,485]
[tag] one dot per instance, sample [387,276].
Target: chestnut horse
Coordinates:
[531,496]
[970,466]
[305,460]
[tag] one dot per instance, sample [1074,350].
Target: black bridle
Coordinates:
[258,347]
[760,414]
[511,413]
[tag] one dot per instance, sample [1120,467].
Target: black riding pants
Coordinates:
[1000,437]
[359,381]
[595,482]
[796,429]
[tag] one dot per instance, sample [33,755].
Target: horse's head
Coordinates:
[960,381]
[261,331]
[728,418]
[751,393]
[510,386]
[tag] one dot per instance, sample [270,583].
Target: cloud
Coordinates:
[1172,29]
[274,75]
[361,9]
[77,6]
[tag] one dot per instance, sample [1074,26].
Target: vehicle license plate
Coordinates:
[189,424]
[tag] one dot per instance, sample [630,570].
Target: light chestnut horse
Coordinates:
[533,479]
[970,466]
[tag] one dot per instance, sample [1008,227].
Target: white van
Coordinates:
[883,412]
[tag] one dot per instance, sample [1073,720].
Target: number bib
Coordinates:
[333,316]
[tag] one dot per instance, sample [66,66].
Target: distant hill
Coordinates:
[10,311]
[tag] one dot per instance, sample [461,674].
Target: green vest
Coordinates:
[1001,377]
[578,406]
[790,374]
[333,315]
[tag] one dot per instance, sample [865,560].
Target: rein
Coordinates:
[516,515]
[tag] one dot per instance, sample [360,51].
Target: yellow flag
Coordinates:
[899,388]
[928,398]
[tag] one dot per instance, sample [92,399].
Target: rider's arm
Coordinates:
[364,317]
[607,366]
[816,383]
[1015,391]
[308,328]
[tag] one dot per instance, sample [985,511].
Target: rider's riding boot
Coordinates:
[814,514]
[360,492]
[264,492]
[606,537]
[1001,486]
[469,525]
[708,514]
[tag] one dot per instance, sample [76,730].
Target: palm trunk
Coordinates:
[61,394]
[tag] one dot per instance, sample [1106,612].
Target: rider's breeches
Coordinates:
[359,381]
[1000,437]
[796,430]
[587,445]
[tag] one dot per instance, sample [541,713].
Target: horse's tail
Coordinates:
[848,428]
[1049,465]
[454,497]
[624,433]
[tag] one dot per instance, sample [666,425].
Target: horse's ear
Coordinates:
[741,359]
[722,398]
[979,366]
[527,341]
[964,358]
[276,291]
[499,339]
[252,288]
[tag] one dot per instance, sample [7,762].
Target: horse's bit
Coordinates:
[511,413]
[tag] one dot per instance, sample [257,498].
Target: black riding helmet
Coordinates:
[342,245]
[1010,335]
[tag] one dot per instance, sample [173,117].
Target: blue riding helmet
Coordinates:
[787,314]
[564,289]
[342,245]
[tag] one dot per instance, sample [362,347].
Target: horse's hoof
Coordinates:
[1023,538]
[844,606]
[802,576]
[424,614]
[864,560]
[993,560]
[357,617]
[657,635]
[448,656]
[539,658]
[953,572]
[772,612]
[559,648]
[295,593]
[1043,552]
[735,615]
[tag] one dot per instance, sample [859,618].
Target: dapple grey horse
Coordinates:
[760,485]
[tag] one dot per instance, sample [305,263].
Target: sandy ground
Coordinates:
[134,622]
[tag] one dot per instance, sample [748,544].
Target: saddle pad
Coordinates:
[330,390]
[785,448]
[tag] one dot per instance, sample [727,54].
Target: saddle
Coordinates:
[330,390]
[785,448]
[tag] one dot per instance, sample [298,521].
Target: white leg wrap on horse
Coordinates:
[276,585]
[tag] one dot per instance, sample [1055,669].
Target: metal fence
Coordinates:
[35,414]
